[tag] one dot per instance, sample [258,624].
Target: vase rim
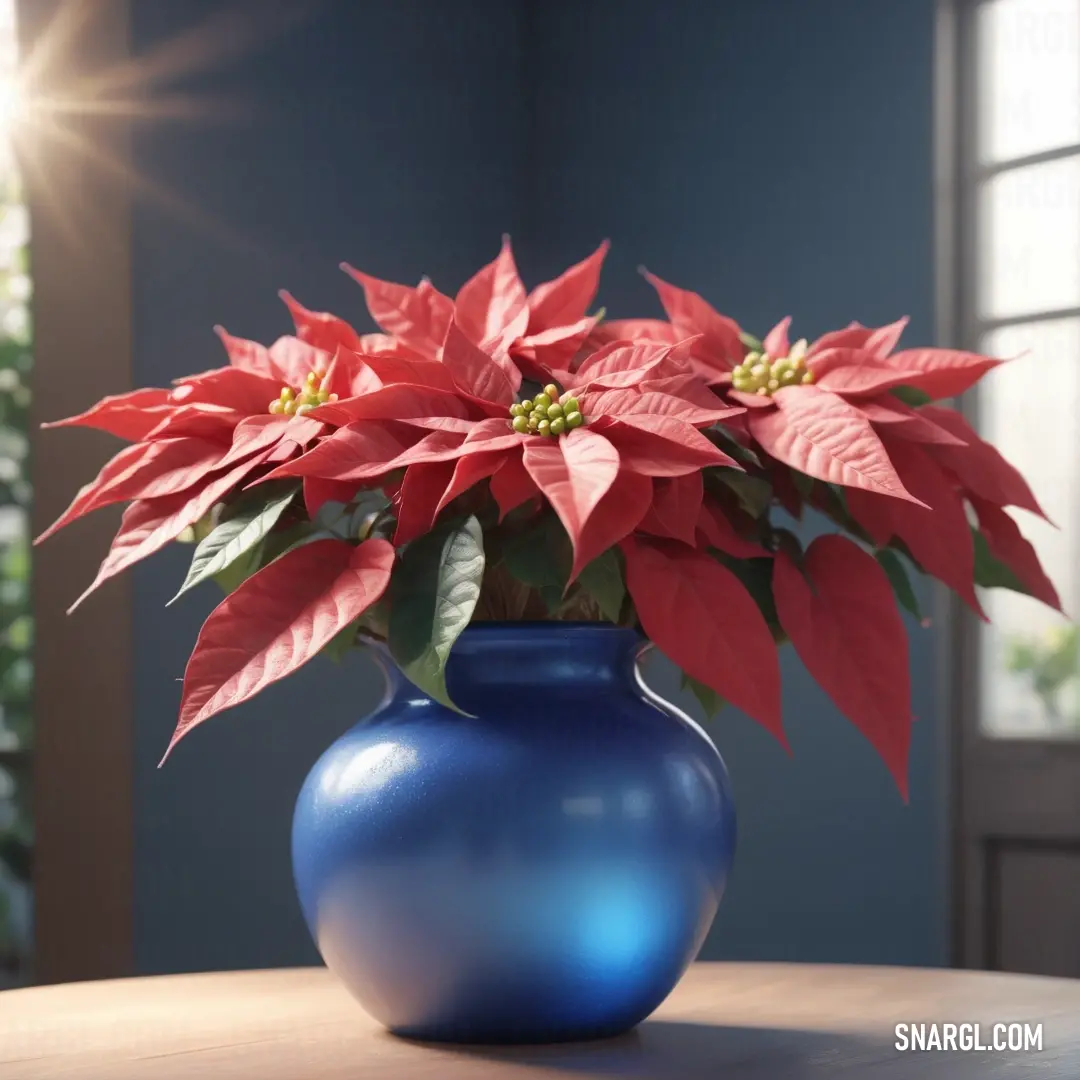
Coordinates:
[552,627]
[526,634]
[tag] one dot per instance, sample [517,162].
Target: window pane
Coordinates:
[1029,76]
[1029,240]
[1029,410]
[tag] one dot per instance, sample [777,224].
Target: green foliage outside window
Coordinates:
[16,620]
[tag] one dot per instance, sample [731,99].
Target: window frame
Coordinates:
[80,261]
[973,756]
[960,324]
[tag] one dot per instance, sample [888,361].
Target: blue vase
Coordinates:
[544,870]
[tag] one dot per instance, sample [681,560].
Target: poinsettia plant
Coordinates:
[506,454]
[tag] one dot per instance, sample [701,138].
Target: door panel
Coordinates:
[1034,906]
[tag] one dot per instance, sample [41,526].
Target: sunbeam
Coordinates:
[51,108]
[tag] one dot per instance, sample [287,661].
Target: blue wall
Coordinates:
[385,134]
[773,154]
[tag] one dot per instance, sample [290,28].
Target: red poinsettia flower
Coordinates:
[525,332]
[207,436]
[598,470]
[277,620]
[656,447]
[827,410]
[950,468]
[815,407]
[630,473]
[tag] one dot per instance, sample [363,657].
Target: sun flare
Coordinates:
[12,113]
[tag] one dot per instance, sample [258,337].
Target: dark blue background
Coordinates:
[774,155]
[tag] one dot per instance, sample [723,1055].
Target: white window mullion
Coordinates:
[1023,196]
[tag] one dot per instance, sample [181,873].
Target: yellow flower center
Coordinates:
[299,402]
[760,374]
[548,414]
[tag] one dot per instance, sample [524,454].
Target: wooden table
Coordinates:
[757,1021]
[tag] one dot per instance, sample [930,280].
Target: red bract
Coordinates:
[817,407]
[821,408]
[839,612]
[527,332]
[277,620]
[650,433]
[701,616]
[149,524]
[195,443]
[821,435]
[946,465]
[978,467]
[719,348]
[1006,543]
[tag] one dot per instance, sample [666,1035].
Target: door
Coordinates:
[1016,293]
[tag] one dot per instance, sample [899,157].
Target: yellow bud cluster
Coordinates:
[300,402]
[549,413]
[760,374]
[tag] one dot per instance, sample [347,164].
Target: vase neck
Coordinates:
[525,655]
[544,654]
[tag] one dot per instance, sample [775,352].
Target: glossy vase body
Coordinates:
[542,870]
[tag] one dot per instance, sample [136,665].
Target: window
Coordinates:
[16,623]
[1020,207]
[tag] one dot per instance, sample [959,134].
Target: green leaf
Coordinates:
[840,495]
[16,855]
[804,484]
[347,520]
[897,575]
[786,541]
[732,447]
[434,592]
[246,527]
[754,493]
[752,343]
[329,515]
[707,697]
[540,557]
[756,576]
[342,641]
[832,502]
[276,544]
[602,579]
[909,395]
[236,573]
[991,573]
[552,596]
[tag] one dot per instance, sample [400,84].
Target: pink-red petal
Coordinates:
[130,416]
[937,533]
[491,299]
[277,620]
[691,315]
[820,434]
[701,617]
[574,471]
[980,467]
[675,508]
[841,615]
[1008,545]
[566,299]
[417,317]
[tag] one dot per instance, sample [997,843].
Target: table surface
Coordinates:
[723,1021]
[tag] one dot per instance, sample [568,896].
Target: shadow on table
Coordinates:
[678,1050]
